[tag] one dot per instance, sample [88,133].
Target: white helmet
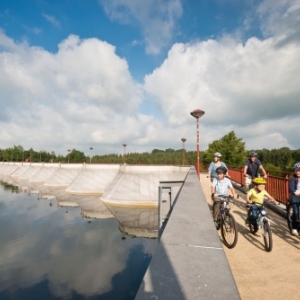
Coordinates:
[218,154]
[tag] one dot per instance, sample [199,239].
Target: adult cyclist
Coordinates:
[212,173]
[252,168]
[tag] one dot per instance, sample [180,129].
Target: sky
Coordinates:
[76,74]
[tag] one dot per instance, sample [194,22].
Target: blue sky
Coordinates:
[106,72]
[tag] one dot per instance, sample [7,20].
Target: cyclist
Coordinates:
[256,197]
[220,186]
[294,188]
[214,165]
[252,167]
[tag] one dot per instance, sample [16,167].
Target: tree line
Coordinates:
[230,146]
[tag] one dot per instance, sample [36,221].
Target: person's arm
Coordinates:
[209,171]
[227,173]
[248,199]
[263,170]
[213,188]
[271,199]
[232,190]
[245,170]
[292,187]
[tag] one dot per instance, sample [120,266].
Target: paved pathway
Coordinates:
[260,274]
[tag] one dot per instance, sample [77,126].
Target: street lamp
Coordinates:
[183,151]
[91,148]
[124,155]
[198,113]
[69,156]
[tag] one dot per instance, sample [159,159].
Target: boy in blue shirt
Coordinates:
[220,186]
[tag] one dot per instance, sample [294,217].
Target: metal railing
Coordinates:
[277,182]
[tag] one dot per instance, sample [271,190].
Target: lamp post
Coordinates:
[91,148]
[52,153]
[183,151]
[69,156]
[124,155]
[198,113]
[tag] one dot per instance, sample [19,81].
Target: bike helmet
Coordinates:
[297,166]
[259,180]
[252,153]
[217,154]
[221,169]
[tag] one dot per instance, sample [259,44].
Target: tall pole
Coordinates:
[124,155]
[183,151]
[198,113]
[40,156]
[91,148]
[69,156]
[198,149]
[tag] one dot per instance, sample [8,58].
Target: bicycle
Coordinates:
[263,223]
[226,222]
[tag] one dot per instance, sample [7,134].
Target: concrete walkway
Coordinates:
[189,262]
[257,273]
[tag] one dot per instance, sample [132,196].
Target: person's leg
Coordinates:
[247,183]
[216,207]
[295,204]
[253,214]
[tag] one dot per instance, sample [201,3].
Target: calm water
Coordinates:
[46,253]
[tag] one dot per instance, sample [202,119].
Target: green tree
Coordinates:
[232,150]
[76,157]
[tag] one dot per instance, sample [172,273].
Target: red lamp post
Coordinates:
[198,113]
[183,151]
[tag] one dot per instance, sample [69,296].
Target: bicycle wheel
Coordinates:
[267,233]
[229,231]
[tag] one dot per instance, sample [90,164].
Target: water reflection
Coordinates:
[48,254]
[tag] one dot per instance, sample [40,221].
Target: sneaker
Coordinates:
[295,232]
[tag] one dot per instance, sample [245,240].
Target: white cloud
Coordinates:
[66,96]
[52,20]
[156,19]
[281,18]
[236,85]
[84,94]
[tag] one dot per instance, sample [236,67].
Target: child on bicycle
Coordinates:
[220,186]
[256,197]
[294,188]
